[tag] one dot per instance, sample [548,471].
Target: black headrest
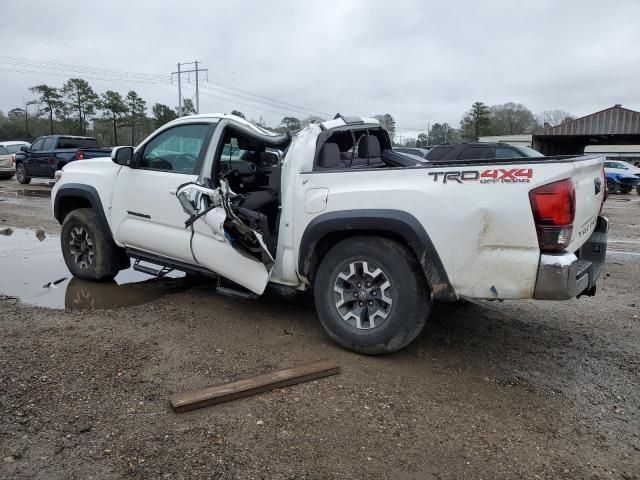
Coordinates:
[368,146]
[329,156]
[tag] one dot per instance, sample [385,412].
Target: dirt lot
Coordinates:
[489,390]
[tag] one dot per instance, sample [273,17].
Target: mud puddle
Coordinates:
[33,192]
[32,269]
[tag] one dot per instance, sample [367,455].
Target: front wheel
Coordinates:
[371,295]
[625,189]
[21,174]
[88,253]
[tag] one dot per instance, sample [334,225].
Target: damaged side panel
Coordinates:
[226,239]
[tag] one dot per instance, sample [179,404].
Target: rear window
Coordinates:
[67,142]
[3,151]
[438,153]
[15,148]
[475,153]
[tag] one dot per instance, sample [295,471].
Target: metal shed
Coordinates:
[612,126]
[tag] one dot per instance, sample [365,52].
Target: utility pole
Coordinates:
[179,73]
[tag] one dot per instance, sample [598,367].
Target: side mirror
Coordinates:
[122,155]
[24,149]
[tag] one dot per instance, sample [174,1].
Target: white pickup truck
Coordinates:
[376,234]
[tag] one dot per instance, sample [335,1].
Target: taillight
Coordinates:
[13,159]
[604,188]
[80,155]
[554,209]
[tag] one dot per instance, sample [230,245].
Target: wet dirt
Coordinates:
[32,192]
[34,271]
[532,390]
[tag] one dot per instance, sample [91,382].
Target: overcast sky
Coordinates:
[420,61]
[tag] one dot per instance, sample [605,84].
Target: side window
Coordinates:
[176,150]
[506,152]
[37,145]
[474,153]
[438,153]
[49,143]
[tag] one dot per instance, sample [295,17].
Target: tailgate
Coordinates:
[6,161]
[588,177]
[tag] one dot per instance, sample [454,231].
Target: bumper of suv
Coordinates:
[568,275]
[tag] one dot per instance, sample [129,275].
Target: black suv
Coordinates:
[478,150]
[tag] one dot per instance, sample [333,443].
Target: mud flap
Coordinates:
[222,240]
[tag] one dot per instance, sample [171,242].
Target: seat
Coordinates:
[329,157]
[368,152]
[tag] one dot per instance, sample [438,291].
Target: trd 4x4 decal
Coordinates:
[496,175]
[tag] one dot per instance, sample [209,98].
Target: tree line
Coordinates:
[482,120]
[119,118]
[70,109]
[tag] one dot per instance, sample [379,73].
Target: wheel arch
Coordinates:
[327,229]
[73,196]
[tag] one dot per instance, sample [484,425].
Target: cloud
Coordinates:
[420,61]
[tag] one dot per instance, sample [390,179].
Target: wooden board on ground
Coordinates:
[182,402]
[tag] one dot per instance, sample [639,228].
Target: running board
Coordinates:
[235,292]
[156,272]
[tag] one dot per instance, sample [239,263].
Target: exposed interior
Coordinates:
[251,169]
[357,148]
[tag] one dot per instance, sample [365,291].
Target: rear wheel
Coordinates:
[611,186]
[89,255]
[371,296]
[21,174]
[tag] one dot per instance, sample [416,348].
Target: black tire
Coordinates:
[626,189]
[89,255]
[407,312]
[21,174]
[611,186]
[638,189]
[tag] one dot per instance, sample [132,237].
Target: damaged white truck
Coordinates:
[379,236]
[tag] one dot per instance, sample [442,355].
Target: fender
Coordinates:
[88,193]
[393,221]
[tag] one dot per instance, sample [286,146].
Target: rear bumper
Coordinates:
[568,275]
[6,170]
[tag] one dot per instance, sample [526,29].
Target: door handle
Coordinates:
[172,191]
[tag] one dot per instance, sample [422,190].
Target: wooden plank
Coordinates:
[182,402]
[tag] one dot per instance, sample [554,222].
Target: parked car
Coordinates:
[8,152]
[377,236]
[618,173]
[418,152]
[621,182]
[51,153]
[478,150]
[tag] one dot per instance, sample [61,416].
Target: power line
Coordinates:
[88,77]
[234,101]
[270,99]
[79,69]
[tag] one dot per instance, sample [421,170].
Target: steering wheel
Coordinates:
[184,161]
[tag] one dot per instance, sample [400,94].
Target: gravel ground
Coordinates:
[489,390]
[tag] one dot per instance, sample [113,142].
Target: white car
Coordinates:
[8,151]
[618,166]
[377,235]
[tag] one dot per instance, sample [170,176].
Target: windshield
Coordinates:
[529,152]
[15,148]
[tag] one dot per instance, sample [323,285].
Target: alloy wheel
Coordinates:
[81,247]
[363,295]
